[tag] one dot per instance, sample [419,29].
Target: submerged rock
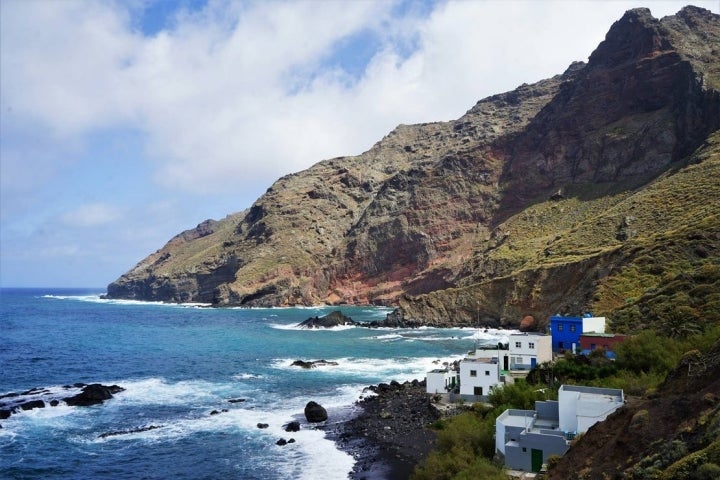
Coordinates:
[313,364]
[128,432]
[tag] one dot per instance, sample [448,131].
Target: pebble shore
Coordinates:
[389,434]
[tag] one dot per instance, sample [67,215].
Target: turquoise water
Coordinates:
[178,363]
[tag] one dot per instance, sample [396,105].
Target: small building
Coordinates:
[528,349]
[525,439]
[478,376]
[607,341]
[566,331]
[441,380]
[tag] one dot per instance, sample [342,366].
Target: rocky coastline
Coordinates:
[389,433]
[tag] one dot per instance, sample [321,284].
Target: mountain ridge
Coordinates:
[456,222]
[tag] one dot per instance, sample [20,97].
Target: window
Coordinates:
[531,345]
[572,328]
[477,390]
[487,373]
[518,344]
[560,327]
[473,373]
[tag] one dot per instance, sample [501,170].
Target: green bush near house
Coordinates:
[466,442]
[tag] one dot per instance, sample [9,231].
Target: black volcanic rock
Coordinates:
[312,364]
[332,319]
[293,426]
[93,394]
[314,412]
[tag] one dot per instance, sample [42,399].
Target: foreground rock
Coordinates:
[390,435]
[315,413]
[79,394]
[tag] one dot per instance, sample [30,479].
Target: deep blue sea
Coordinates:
[178,363]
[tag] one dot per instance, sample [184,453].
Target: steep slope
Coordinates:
[535,201]
[675,434]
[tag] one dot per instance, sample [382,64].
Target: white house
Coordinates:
[479,375]
[583,407]
[487,367]
[441,380]
[529,349]
[526,438]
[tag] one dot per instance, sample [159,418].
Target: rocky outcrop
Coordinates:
[93,394]
[531,203]
[332,319]
[78,394]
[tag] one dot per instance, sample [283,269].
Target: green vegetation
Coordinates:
[466,442]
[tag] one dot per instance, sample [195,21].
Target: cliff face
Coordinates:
[531,203]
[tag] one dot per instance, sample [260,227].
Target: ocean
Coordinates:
[180,365]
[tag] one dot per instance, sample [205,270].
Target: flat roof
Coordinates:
[604,335]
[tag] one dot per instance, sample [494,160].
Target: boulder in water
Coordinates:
[292,427]
[314,412]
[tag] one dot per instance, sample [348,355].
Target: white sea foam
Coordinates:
[383,370]
[295,326]
[97,298]
[247,376]
[311,456]
[158,391]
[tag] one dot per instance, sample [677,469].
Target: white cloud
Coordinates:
[228,99]
[92,215]
[237,94]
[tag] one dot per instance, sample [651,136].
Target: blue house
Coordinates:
[566,331]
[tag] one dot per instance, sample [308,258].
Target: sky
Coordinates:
[125,122]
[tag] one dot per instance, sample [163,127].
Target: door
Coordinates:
[533,362]
[505,363]
[536,459]
[477,390]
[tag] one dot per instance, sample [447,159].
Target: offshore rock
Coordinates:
[332,319]
[312,364]
[93,394]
